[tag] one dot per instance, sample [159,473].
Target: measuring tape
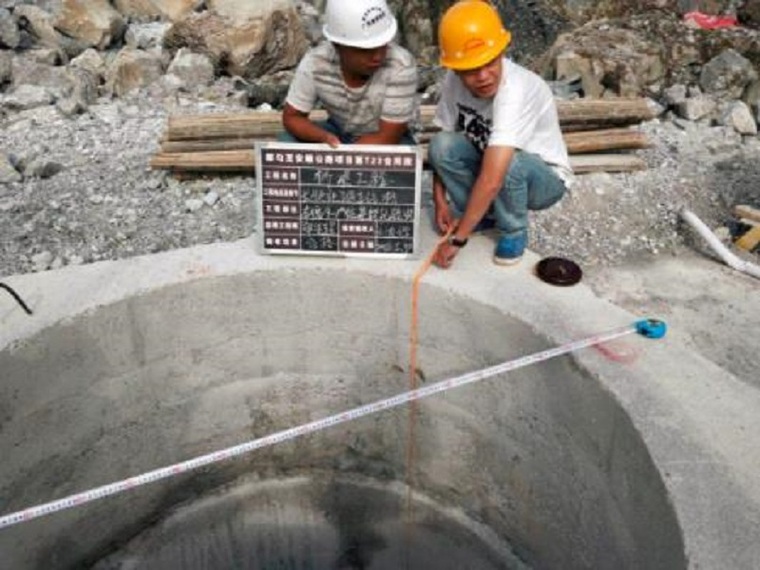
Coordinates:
[650,328]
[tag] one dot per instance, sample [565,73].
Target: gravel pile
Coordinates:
[94,196]
[609,219]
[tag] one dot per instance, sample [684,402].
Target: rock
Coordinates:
[211,198]
[697,108]
[90,60]
[70,106]
[192,68]
[751,97]
[9,34]
[739,116]
[146,36]
[257,41]
[176,10]
[608,59]
[312,25]
[137,10]
[45,56]
[39,25]
[41,261]
[270,89]
[132,69]
[675,94]
[27,71]
[84,87]
[26,97]
[8,172]
[95,22]
[727,74]
[193,204]
[42,168]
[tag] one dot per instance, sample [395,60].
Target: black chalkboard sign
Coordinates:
[356,200]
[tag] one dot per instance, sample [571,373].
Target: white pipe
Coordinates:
[730,259]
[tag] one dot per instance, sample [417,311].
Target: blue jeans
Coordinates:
[530,183]
[346,138]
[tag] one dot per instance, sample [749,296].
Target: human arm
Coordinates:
[443,218]
[298,124]
[494,167]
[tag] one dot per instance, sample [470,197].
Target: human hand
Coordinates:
[445,254]
[444,220]
[331,139]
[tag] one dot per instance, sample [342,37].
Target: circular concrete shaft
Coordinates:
[538,468]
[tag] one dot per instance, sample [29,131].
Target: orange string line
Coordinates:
[413,341]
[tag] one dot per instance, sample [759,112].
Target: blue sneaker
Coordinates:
[509,249]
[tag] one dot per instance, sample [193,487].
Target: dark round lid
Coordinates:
[558,271]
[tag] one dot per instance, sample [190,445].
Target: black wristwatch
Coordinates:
[456,242]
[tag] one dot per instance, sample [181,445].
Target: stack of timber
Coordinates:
[597,133]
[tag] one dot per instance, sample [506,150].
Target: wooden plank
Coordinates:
[744,211]
[583,142]
[579,114]
[585,163]
[208,145]
[245,160]
[214,161]
[614,111]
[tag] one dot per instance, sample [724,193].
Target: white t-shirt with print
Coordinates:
[391,93]
[522,115]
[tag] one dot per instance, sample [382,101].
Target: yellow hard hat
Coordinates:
[470,35]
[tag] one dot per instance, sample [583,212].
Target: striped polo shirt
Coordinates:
[390,94]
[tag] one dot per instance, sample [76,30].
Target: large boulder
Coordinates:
[727,74]
[133,69]
[27,70]
[137,9]
[644,53]
[94,22]
[149,9]
[609,59]
[248,39]
[38,26]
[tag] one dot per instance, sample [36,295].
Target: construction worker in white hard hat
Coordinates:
[365,82]
[501,151]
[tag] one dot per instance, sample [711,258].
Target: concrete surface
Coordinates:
[591,461]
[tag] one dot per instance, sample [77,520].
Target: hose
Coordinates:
[729,258]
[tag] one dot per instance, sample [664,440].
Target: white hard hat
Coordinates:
[359,23]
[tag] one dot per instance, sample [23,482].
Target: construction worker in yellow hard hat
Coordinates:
[365,82]
[500,152]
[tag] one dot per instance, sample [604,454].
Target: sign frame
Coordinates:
[362,233]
